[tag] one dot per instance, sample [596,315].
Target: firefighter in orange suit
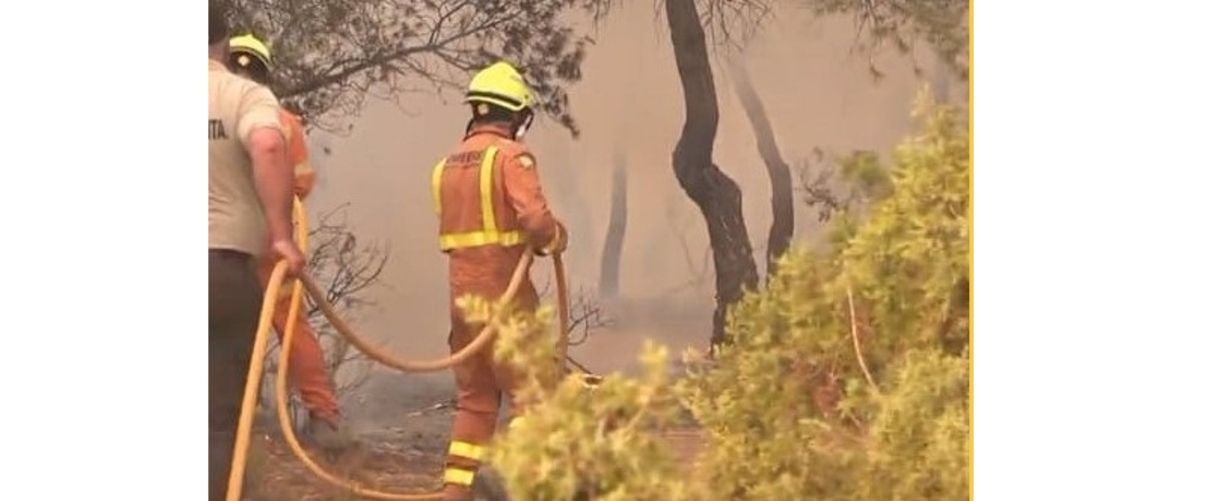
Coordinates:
[490,206]
[251,58]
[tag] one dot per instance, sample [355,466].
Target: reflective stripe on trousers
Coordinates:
[466,450]
[461,474]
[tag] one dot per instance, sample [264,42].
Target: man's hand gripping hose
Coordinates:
[255,373]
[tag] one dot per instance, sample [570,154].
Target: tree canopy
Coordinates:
[330,55]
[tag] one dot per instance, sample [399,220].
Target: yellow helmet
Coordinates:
[248,44]
[502,85]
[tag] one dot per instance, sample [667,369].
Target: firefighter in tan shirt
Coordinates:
[490,207]
[251,57]
[250,209]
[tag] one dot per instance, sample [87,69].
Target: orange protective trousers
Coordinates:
[480,381]
[307,369]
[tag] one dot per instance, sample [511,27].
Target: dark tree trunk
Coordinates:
[718,197]
[608,280]
[782,204]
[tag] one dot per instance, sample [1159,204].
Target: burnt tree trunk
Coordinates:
[608,280]
[717,195]
[782,204]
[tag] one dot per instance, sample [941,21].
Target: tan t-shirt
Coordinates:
[236,107]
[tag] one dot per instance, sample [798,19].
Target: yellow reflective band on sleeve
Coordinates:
[458,476]
[488,223]
[437,176]
[466,450]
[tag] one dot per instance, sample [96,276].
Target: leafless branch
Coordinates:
[585,317]
[732,23]
[816,183]
[348,269]
[902,25]
[841,184]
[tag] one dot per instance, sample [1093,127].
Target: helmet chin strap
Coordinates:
[525,126]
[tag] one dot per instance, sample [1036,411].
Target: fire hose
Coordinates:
[255,372]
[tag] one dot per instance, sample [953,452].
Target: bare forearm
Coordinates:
[273,182]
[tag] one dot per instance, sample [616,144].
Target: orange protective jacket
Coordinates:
[298,153]
[483,255]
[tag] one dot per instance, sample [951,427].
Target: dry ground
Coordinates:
[389,463]
[405,458]
[403,428]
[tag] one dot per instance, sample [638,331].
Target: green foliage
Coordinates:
[578,441]
[864,170]
[900,25]
[919,436]
[798,406]
[789,407]
[524,341]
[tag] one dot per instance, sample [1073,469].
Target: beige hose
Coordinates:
[562,306]
[387,359]
[286,424]
[255,372]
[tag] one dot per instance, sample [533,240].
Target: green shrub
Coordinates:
[579,441]
[793,411]
[847,378]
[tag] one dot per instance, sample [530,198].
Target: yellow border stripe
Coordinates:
[488,223]
[437,177]
[466,450]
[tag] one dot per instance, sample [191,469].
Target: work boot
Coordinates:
[489,485]
[328,435]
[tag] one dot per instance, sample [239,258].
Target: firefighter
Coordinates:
[250,196]
[490,207]
[250,57]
